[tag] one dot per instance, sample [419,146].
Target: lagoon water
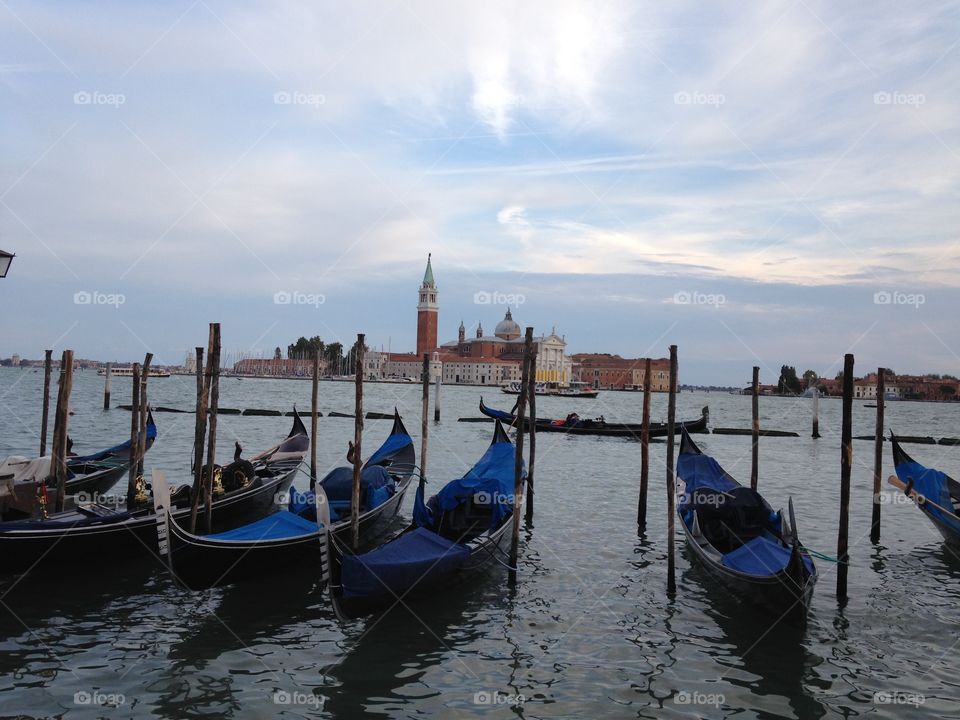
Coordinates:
[588,631]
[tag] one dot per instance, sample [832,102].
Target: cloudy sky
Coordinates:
[760,183]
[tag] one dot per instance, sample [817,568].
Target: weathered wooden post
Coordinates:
[199,438]
[142,437]
[106,386]
[816,413]
[60,421]
[47,366]
[314,398]
[846,464]
[878,456]
[671,477]
[532,418]
[424,412]
[436,398]
[644,450]
[755,431]
[518,454]
[213,364]
[357,433]
[134,438]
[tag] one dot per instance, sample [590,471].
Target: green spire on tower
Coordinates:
[428,275]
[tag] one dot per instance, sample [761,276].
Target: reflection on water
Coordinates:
[588,631]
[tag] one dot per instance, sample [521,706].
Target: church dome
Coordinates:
[507,329]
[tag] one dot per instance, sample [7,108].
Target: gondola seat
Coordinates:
[731,519]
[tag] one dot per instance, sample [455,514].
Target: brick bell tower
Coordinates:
[427,310]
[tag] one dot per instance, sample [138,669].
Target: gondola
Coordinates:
[732,531]
[573,425]
[934,492]
[293,536]
[92,532]
[100,471]
[87,476]
[460,530]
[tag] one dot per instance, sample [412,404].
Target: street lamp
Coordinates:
[5,260]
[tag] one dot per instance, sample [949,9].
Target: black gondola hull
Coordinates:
[781,597]
[199,562]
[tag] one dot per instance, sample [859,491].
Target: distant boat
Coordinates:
[513,388]
[128,372]
[574,425]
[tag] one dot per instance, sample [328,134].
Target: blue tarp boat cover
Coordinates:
[760,556]
[931,484]
[394,568]
[391,446]
[701,471]
[281,524]
[338,484]
[491,477]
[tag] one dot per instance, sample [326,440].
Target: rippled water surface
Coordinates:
[588,631]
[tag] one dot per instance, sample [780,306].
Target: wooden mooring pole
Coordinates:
[436,398]
[424,412]
[671,477]
[134,438]
[199,438]
[314,399]
[755,431]
[106,386]
[846,464]
[213,365]
[142,435]
[60,420]
[357,437]
[878,456]
[644,451]
[532,417]
[816,413]
[47,367]
[518,455]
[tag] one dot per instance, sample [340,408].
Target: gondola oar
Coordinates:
[918,498]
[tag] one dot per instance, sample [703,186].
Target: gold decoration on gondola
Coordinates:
[42,500]
[140,495]
[218,481]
